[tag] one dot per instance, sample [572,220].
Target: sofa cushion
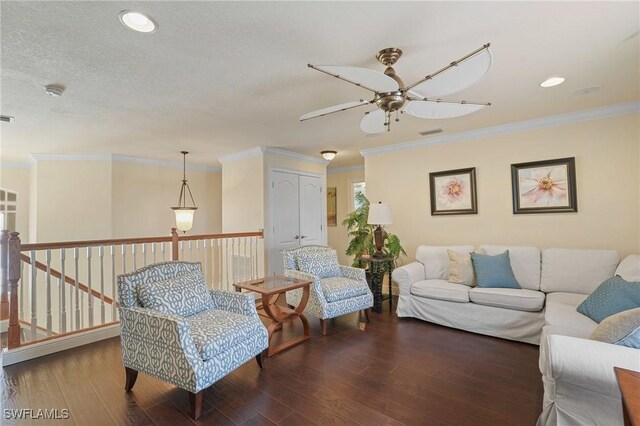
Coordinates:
[436,260]
[494,271]
[576,271]
[561,315]
[214,331]
[629,268]
[321,264]
[340,288]
[612,296]
[620,329]
[509,298]
[525,262]
[184,295]
[461,268]
[441,290]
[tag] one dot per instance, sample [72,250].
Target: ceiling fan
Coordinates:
[420,99]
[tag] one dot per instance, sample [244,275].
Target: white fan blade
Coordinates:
[456,78]
[373,122]
[332,109]
[363,77]
[436,110]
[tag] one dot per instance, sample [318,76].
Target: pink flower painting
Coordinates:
[544,187]
[453,192]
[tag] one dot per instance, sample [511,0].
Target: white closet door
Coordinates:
[311,211]
[285,217]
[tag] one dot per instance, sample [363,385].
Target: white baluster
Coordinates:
[63,292]
[226,252]
[133,254]
[164,259]
[34,298]
[90,287]
[213,264]
[144,254]
[182,250]
[251,258]
[153,252]
[190,252]
[198,250]
[204,259]
[49,318]
[102,307]
[22,275]
[114,312]
[124,259]
[76,255]
[233,254]
[244,260]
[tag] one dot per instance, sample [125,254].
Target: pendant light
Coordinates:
[184,214]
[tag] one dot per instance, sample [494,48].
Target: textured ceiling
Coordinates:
[221,77]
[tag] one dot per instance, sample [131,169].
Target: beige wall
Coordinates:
[143,195]
[73,200]
[607,156]
[242,194]
[337,236]
[17,179]
[98,199]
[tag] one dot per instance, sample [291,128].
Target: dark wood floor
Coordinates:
[398,371]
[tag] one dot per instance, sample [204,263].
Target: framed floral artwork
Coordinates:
[544,186]
[453,192]
[332,210]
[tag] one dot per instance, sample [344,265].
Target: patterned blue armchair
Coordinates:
[336,289]
[175,329]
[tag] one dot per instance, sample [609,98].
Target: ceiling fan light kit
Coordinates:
[420,99]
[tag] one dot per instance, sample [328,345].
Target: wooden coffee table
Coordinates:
[270,288]
[629,384]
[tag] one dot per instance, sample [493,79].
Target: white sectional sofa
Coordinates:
[577,373]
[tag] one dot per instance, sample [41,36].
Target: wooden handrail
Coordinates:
[142,240]
[41,266]
[39,328]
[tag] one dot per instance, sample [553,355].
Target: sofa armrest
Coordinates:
[353,273]
[236,302]
[407,275]
[159,344]
[588,364]
[316,289]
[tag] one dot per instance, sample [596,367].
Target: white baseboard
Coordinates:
[4,326]
[25,353]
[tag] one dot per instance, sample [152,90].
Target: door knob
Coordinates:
[303,236]
[297,237]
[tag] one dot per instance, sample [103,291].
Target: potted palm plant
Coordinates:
[361,235]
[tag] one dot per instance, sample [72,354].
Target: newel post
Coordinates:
[174,244]
[4,275]
[14,277]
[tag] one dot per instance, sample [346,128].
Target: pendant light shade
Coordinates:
[184,213]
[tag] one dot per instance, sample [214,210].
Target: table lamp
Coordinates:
[379,214]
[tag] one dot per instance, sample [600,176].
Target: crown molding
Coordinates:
[117,158]
[241,155]
[345,169]
[599,113]
[289,154]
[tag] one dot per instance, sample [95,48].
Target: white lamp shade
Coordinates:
[380,214]
[184,218]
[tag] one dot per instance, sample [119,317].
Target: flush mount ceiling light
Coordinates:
[55,90]
[328,155]
[552,81]
[137,21]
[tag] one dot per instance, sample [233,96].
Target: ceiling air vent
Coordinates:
[430,132]
[7,118]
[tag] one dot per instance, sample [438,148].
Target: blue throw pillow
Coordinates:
[612,296]
[494,271]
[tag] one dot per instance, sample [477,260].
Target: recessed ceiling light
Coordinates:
[552,81]
[137,21]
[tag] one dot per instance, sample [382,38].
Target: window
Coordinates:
[357,187]
[8,208]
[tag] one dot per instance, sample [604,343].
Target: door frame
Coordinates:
[268,199]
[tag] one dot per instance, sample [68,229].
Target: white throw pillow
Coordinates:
[461,268]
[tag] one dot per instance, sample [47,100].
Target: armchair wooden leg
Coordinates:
[366,313]
[323,326]
[131,376]
[259,359]
[195,401]
[363,318]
